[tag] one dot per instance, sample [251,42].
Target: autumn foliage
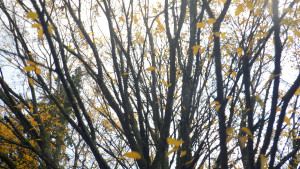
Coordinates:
[149,84]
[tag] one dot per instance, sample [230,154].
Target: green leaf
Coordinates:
[261,103]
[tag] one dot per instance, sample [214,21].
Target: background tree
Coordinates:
[150,84]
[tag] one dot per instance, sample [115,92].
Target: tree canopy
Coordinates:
[149,84]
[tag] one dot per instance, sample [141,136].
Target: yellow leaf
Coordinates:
[297,33]
[258,35]
[229,138]
[50,30]
[223,35]
[218,107]
[211,20]
[288,10]
[239,9]
[168,85]
[243,21]
[32,15]
[171,151]
[36,25]
[201,167]
[277,108]
[31,108]
[189,162]
[133,154]
[30,81]
[28,68]
[297,92]
[165,83]
[250,5]
[239,51]
[121,19]
[183,153]
[262,161]
[124,74]
[140,40]
[229,97]
[287,120]
[38,71]
[135,18]
[272,76]
[80,34]
[161,28]
[151,68]
[223,1]
[158,21]
[257,11]
[230,131]
[195,49]
[200,25]
[202,50]
[32,63]
[246,130]
[226,74]
[233,74]
[217,34]
[291,39]
[242,141]
[40,33]
[174,142]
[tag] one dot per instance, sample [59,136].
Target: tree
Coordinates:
[150,84]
